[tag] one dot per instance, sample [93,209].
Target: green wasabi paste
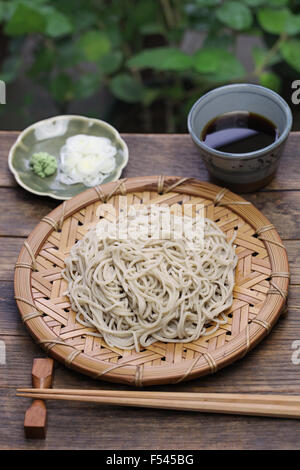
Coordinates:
[43,164]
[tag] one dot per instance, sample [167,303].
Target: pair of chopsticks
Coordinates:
[280,406]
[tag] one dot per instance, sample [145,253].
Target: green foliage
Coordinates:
[218,64]
[161,58]
[254,3]
[270,80]
[291,52]
[2,10]
[262,56]
[136,48]
[127,88]
[278,3]
[58,24]
[279,21]
[273,21]
[86,85]
[94,45]
[111,62]
[235,15]
[25,19]
[207,3]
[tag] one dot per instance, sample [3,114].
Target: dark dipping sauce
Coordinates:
[239,132]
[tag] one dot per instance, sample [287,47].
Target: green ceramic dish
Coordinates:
[49,136]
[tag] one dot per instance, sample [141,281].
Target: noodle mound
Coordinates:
[138,291]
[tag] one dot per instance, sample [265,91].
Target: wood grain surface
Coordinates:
[266,369]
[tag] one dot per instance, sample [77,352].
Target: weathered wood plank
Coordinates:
[7,139]
[10,321]
[22,211]
[177,154]
[91,426]
[281,208]
[293,250]
[9,252]
[169,154]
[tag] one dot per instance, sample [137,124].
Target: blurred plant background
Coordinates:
[140,64]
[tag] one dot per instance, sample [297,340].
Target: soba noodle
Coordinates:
[138,290]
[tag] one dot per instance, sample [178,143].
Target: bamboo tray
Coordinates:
[260,291]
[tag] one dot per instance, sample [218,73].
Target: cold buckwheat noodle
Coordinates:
[145,287]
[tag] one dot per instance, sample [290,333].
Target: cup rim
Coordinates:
[285,107]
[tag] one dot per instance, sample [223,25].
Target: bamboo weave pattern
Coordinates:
[160,362]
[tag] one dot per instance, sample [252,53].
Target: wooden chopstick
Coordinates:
[194,396]
[244,404]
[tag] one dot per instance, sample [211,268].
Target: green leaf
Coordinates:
[254,3]
[94,45]
[86,85]
[2,10]
[272,21]
[207,3]
[278,3]
[61,88]
[25,20]
[218,63]
[7,10]
[293,25]
[161,58]
[279,21]
[111,62]
[270,80]
[58,24]
[290,51]
[32,3]
[10,6]
[260,57]
[235,15]
[127,88]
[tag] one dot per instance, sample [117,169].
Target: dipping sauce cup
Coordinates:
[243,172]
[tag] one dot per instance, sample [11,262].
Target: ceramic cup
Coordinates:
[241,171]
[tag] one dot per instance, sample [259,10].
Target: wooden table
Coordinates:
[268,368]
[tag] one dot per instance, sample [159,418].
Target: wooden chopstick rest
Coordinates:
[35,421]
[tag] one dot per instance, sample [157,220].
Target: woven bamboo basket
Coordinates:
[260,292]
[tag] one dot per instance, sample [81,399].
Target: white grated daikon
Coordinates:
[86,159]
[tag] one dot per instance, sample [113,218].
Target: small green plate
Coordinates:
[49,136]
